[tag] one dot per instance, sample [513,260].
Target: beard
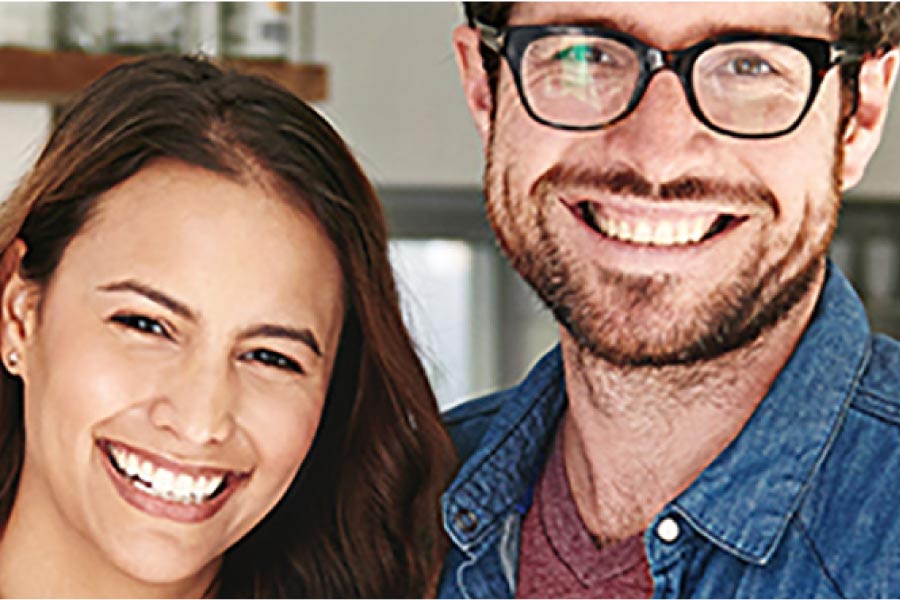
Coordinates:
[635,320]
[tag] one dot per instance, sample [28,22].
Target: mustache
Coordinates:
[629,182]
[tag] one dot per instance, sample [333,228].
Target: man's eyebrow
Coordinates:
[161,298]
[303,335]
[700,31]
[625,25]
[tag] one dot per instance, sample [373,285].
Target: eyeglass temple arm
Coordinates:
[490,36]
[843,53]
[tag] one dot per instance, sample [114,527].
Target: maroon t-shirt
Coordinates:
[559,557]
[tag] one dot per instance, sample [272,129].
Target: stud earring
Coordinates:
[13,358]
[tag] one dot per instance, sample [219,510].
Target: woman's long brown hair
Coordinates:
[362,517]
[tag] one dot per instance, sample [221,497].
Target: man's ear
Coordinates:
[18,310]
[474,79]
[863,133]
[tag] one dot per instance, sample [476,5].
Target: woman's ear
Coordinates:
[863,133]
[474,79]
[18,310]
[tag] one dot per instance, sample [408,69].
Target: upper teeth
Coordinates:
[657,233]
[161,482]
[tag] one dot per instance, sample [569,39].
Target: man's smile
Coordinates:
[657,224]
[676,231]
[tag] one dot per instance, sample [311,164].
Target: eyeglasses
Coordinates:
[743,85]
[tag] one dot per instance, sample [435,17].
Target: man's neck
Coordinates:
[636,438]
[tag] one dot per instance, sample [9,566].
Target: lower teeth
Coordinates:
[170,496]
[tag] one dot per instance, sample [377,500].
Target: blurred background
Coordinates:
[383,74]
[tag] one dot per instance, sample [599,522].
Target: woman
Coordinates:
[209,389]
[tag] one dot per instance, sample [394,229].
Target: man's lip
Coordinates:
[193,468]
[628,207]
[684,232]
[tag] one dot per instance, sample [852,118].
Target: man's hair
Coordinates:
[873,25]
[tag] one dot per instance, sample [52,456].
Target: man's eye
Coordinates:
[142,324]
[582,53]
[273,359]
[750,65]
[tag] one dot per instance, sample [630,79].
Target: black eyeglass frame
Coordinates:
[512,43]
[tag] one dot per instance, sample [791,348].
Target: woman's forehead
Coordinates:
[193,229]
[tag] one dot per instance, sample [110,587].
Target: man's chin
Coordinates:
[635,327]
[632,351]
[631,344]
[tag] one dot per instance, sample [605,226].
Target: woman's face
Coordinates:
[176,370]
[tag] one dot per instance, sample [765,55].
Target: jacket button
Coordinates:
[466,521]
[667,530]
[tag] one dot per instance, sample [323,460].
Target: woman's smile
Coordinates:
[165,488]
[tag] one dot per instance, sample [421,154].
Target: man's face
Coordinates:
[604,224]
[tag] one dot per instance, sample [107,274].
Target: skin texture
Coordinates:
[194,388]
[651,335]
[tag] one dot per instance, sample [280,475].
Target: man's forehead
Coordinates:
[675,24]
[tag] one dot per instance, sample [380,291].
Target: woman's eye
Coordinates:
[142,324]
[273,359]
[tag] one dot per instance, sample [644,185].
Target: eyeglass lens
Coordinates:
[746,87]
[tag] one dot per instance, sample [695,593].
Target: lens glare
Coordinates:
[578,80]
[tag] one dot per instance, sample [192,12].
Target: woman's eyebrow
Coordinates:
[304,335]
[130,285]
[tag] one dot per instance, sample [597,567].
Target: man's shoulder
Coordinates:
[543,387]
[468,422]
[849,515]
[874,411]
[880,381]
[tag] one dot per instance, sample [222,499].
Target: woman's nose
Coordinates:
[198,405]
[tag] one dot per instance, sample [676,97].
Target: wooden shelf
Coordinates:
[55,76]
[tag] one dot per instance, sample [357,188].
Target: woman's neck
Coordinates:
[43,554]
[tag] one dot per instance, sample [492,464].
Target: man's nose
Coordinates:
[198,405]
[662,138]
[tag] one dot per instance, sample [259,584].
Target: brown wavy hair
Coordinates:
[362,516]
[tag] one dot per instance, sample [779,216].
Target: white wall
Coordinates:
[23,125]
[394,91]
[882,178]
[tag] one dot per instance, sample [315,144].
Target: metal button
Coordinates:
[667,530]
[466,520]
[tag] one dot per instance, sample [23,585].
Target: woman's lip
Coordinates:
[167,509]
[195,470]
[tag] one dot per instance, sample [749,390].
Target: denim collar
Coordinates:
[500,475]
[743,500]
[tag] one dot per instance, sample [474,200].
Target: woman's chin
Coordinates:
[154,563]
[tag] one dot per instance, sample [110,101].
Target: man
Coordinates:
[718,419]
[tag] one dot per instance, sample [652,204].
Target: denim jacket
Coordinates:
[805,502]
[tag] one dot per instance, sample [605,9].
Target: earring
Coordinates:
[13,358]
